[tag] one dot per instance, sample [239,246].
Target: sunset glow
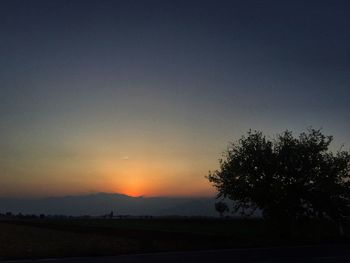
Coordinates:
[142,99]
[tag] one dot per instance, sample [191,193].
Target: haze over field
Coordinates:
[100,204]
[142,97]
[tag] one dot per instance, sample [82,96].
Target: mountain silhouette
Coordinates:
[102,203]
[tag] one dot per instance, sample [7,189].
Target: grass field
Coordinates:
[43,238]
[23,241]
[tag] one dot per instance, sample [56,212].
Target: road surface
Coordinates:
[302,254]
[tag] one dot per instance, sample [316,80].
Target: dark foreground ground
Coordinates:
[97,239]
[312,254]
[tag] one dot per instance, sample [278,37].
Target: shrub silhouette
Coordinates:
[221,208]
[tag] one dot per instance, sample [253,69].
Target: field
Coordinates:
[43,238]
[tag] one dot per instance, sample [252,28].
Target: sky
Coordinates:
[142,97]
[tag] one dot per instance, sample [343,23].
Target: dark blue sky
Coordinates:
[168,81]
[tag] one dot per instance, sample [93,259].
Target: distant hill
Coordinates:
[103,203]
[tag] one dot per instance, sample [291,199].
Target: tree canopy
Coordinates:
[285,177]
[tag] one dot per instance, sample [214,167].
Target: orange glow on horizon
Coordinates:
[144,178]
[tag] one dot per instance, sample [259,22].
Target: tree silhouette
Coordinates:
[287,178]
[221,208]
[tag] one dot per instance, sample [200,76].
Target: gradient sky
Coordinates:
[141,97]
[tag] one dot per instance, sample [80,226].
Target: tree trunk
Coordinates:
[340,229]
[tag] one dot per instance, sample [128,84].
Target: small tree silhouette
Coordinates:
[111,214]
[221,208]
